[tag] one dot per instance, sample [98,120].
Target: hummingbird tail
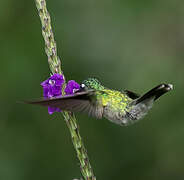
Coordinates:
[155,93]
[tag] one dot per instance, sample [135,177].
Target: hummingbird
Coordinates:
[120,107]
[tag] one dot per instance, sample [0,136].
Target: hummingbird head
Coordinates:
[91,83]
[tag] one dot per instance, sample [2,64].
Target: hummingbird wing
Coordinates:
[78,102]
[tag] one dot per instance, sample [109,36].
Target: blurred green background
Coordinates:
[127,44]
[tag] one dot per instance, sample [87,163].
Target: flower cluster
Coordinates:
[52,87]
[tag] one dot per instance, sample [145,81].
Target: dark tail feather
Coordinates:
[156,92]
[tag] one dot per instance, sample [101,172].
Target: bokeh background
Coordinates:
[127,44]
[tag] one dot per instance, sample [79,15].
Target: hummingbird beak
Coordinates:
[80,90]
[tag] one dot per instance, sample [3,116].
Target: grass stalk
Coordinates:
[55,67]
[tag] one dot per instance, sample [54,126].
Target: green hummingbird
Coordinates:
[120,107]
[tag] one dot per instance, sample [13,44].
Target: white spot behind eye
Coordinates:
[82,85]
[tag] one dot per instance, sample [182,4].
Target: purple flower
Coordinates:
[71,87]
[52,87]
[51,110]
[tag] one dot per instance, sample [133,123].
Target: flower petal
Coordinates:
[71,87]
[52,87]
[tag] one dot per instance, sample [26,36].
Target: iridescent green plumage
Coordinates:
[122,108]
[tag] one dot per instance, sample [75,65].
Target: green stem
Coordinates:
[55,67]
